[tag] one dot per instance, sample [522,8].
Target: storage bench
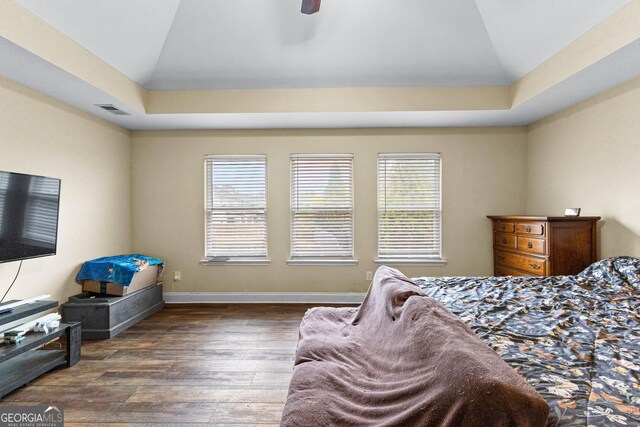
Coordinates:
[105,316]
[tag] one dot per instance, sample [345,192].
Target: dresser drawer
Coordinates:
[505,271]
[535,229]
[504,240]
[504,227]
[528,244]
[521,262]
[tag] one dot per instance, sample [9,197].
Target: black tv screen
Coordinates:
[29,207]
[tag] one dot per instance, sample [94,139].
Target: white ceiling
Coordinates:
[525,33]
[33,71]
[218,44]
[128,34]
[213,44]
[258,44]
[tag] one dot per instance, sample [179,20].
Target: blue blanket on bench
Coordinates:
[118,269]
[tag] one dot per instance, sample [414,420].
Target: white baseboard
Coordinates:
[264,297]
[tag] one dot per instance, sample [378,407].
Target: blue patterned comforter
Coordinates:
[576,339]
[118,269]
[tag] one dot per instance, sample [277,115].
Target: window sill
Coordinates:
[236,261]
[320,261]
[415,261]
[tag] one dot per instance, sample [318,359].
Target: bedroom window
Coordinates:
[409,208]
[236,209]
[322,209]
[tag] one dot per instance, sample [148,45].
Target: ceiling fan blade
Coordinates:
[310,6]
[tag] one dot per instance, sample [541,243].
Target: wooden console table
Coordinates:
[26,360]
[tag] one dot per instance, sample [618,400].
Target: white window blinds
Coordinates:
[322,206]
[236,206]
[409,209]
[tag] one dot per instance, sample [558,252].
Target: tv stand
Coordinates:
[26,360]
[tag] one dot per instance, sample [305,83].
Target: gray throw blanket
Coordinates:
[401,359]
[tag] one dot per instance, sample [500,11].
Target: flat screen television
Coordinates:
[29,206]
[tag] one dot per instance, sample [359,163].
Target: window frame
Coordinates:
[236,260]
[435,260]
[332,260]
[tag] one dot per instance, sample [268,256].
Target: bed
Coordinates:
[575,339]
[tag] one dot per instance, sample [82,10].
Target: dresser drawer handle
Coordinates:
[530,245]
[499,257]
[535,266]
[502,227]
[528,229]
[504,241]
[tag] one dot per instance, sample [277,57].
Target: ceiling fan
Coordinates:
[310,6]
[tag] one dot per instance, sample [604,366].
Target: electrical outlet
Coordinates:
[177,276]
[368,275]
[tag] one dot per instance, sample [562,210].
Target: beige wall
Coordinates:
[482,174]
[41,136]
[589,157]
[144,191]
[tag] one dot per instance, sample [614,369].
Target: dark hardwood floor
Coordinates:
[187,364]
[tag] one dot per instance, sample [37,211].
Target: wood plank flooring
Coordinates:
[185,365]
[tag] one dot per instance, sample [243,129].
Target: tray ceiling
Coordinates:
[239,64]
[221,44]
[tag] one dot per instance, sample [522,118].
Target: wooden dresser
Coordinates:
[543,245]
